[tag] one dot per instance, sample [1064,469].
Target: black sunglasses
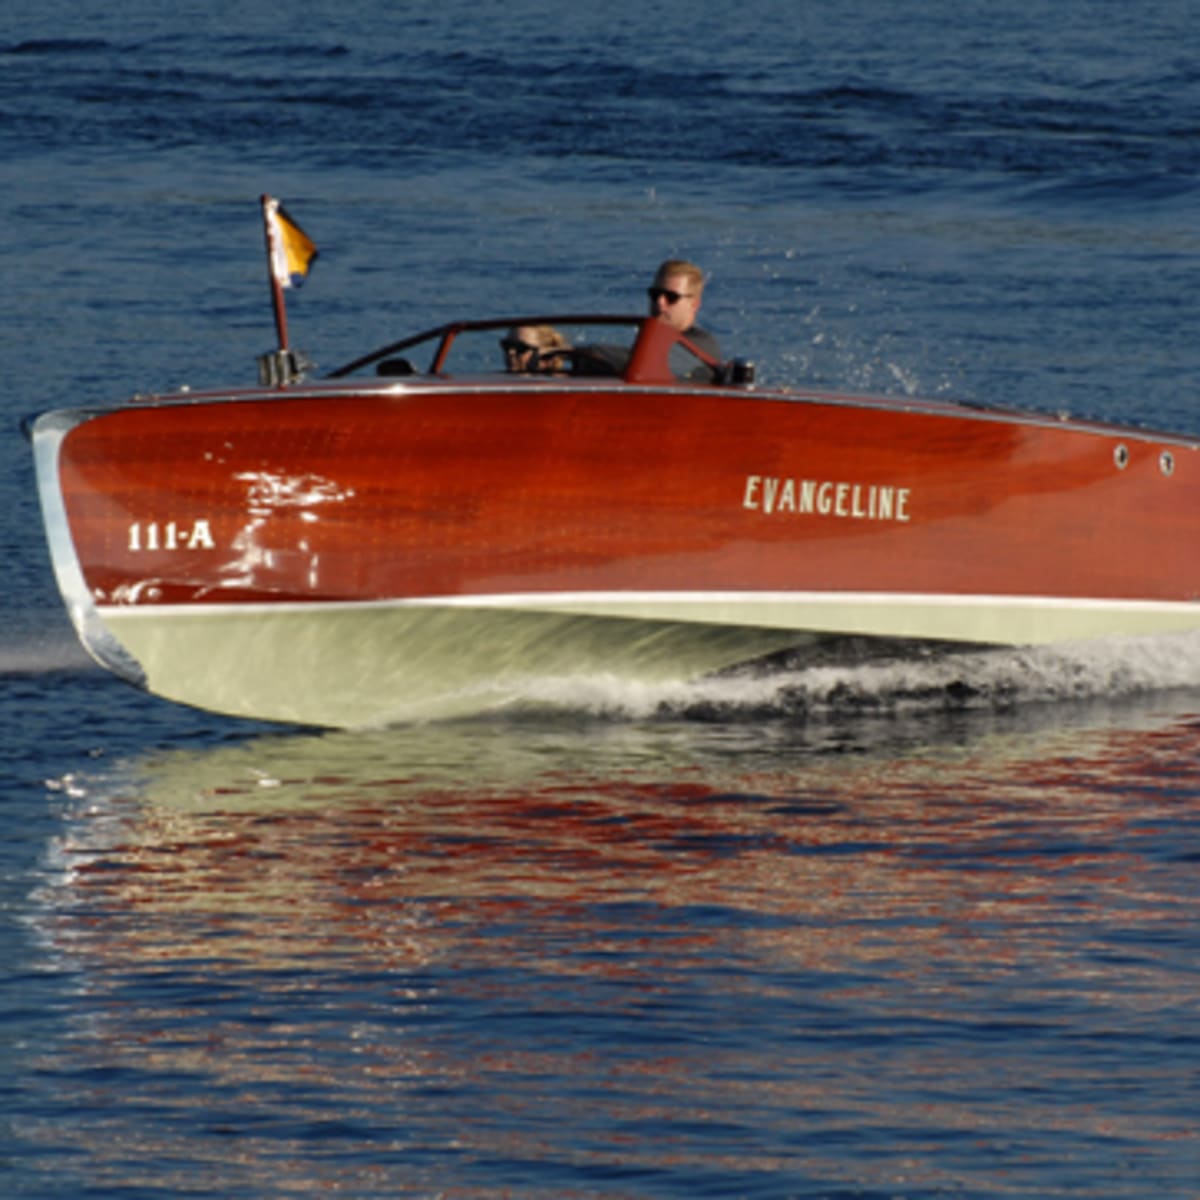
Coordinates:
[666,294]
[515,346]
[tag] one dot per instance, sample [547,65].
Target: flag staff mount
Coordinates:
[290,254]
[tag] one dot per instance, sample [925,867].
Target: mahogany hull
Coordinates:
[344,554]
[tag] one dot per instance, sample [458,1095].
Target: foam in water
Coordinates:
[1110,668]
[40,653]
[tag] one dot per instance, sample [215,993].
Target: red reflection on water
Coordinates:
[819,938]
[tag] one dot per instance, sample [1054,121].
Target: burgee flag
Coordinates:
[292,250]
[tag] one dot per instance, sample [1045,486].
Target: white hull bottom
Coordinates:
[372,664]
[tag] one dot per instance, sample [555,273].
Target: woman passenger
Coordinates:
[531,348]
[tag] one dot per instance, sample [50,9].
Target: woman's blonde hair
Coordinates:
[546,337]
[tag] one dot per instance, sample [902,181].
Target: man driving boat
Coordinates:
[675,297]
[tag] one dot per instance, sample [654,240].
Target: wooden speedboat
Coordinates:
[425,533]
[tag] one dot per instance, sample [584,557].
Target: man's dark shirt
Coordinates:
[685,365]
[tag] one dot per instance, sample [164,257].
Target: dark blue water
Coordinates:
[893,931]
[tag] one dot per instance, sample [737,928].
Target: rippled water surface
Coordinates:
[900,929]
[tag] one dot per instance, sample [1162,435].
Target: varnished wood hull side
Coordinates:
[739,521]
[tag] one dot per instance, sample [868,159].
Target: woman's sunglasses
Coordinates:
[515,346]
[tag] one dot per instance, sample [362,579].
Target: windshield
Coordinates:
[572,345]
[637,349]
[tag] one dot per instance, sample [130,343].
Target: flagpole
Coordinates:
[276,287]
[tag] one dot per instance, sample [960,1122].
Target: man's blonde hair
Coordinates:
[681,266]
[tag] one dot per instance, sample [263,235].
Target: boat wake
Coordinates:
[895,684]
[861,681]
[42,653]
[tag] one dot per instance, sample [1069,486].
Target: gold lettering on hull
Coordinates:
[852,501]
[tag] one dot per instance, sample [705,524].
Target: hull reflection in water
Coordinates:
[752,955]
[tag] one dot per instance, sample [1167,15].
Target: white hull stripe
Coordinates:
[743,604]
